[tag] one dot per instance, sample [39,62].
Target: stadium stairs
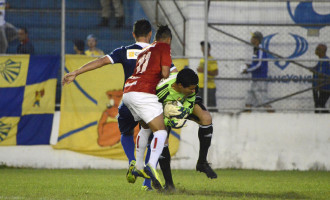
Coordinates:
[43,21]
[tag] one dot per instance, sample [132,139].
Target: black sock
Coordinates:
[165,166]
[205,137]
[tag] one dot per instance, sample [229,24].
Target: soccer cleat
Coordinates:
[146,188]
[169,188]
[155,180]
[140,173]
[130,177]
[205,168]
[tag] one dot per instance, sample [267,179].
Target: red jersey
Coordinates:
[148,68]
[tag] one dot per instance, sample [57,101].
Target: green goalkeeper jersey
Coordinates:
[165,93]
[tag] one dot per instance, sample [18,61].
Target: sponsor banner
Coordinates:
[89,107]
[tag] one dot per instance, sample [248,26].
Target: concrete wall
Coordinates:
[262,141]
[248,141]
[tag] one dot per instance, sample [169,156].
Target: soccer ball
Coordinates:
[176,113]
[174,109]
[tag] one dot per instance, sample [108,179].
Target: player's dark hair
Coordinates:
[208,44]
[141,28]
[187,77]
[163,32]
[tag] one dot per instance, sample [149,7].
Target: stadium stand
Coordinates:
[43,20]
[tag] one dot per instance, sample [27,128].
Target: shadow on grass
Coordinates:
[285,195]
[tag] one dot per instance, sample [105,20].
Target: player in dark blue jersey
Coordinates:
[127,57]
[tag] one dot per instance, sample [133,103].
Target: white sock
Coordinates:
[157,146]
[141,145]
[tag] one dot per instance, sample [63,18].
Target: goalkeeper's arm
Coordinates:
[190,103]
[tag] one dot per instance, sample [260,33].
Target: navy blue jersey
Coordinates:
[127,57]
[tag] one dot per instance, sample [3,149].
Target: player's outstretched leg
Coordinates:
[205,137]
[157,145]
[141,145]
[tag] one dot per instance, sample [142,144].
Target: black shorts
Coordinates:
[198,101]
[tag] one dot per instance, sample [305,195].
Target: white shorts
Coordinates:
[143,106]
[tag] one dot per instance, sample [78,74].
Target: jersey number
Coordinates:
[143,63]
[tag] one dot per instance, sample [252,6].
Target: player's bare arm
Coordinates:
[68,78]
[166,71]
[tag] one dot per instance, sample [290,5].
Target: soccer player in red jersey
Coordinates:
[153,64]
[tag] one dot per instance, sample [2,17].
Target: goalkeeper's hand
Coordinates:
[184,112]
[175,123]
[179,112]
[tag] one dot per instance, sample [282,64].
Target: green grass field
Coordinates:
[70,184]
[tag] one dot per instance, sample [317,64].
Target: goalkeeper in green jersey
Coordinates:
[183,87]
[179,88]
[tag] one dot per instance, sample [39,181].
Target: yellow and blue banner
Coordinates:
[27,98]
[89,107]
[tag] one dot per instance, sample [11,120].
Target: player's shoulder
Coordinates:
[133,46]
[122,49]
[125,48]
[169,80]
[119,50]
